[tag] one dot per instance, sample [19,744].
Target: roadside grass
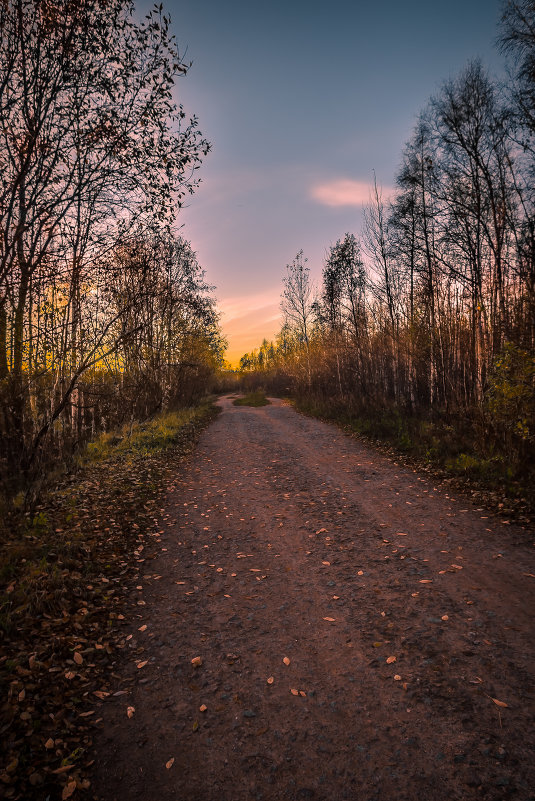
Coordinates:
[446,449]
[257,398]
[142,439]
[67,574]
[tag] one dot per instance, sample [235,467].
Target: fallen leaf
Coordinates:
[397,677]
[390,659]
[286,660]
[444,617]
[270,680]
[302,693]
[143,627]
[326,563]
[139,665]
[196,661]
[294,692]
[68,790]
[78,658]
[360,573]
[49,743]
[203,708]
[426,581]
[170,763]
[130,711]
[500,703]
[330,619]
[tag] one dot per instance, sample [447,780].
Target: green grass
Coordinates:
[257,398]
[146,438]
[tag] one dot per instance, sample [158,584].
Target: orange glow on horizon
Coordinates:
[246,321]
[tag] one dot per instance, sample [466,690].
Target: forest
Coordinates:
[207,593]
[105,314]
[423,328]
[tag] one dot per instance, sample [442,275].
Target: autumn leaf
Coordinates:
[196,661]
[130,711]
[78,658]
[286,660]
[294,692]
[139,665]
[270,680]
[500,703]
[390,659]
[330,619]
[170,763]
[68,790]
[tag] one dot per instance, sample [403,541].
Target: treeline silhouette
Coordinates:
[105,316]
[429,314]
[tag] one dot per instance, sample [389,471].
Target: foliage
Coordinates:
[510,396]
[95,160]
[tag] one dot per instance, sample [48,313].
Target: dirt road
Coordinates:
[354,626]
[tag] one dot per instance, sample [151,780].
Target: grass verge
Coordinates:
[257,398]
[66,580]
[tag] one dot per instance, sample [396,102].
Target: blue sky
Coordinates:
[302,101]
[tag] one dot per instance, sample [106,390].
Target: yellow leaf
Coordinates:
[500,703]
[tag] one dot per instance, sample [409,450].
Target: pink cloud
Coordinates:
[344,192]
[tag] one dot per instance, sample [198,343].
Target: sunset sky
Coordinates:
[302,101]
